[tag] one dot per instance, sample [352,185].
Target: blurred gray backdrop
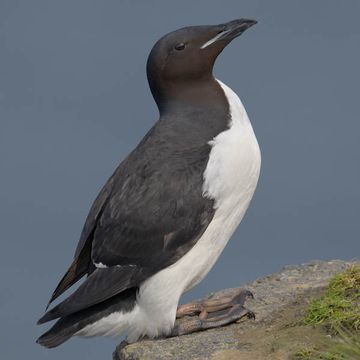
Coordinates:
[74,101]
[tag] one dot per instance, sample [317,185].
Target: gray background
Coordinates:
[74,101]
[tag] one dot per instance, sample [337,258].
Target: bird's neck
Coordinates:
[205,94]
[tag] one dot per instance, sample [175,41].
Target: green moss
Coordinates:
[345,347]
[308,354]
[348,344]
[304,354]
[340,306]
[339,311]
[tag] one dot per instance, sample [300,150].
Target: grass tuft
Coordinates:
[339,311]
[339,308]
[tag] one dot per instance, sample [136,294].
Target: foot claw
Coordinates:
[251,315]
[242,296]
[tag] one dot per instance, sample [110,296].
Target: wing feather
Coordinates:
[101,285]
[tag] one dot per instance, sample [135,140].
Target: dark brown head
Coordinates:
[186,57]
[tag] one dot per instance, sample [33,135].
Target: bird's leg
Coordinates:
[212,313]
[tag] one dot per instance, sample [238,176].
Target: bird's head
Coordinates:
[187,56]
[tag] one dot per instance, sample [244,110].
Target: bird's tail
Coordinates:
[68,326]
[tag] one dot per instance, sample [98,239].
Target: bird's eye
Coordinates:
[180,46]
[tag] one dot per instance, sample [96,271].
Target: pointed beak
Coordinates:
[235,28]
[230,30]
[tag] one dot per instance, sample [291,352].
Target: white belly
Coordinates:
[230,180]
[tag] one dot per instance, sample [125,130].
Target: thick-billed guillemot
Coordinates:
[163,218]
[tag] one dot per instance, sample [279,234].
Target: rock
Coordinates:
[279,300]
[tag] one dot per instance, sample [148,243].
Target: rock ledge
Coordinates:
[278,303]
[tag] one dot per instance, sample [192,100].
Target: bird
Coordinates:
[163,218]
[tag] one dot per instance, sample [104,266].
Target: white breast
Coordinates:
[230,180]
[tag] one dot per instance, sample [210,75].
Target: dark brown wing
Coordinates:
[82,258]
[150,215]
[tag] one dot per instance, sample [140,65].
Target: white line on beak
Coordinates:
[211,41]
